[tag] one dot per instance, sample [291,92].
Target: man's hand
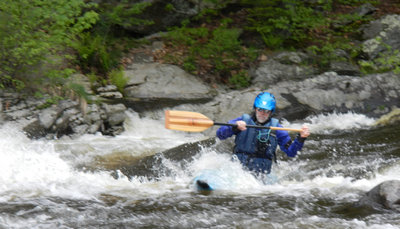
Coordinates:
[241,125]
[305,132]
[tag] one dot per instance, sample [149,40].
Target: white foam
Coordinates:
[33,168]
[326,123]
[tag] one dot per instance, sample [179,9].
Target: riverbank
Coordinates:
[300,87]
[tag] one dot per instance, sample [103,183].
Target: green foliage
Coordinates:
[240,79]
[325,54]
[36,38]
[50,101]
[32,32]
[93,78]
[287,24]
[100,50]
[118,78]
[123,14]
[8,81]
[386,61]
[95,52]
[284,23]
[222,48]
[187,36]
[352,2]
[313,25]
[217,49]
[169,7]
[79,90]
[56,78]
[189,64]
[217,3]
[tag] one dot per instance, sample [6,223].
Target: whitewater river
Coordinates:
[113,182]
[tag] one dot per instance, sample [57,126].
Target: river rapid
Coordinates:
[80,183]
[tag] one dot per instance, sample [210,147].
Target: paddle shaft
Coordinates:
[196,122]
[259,127]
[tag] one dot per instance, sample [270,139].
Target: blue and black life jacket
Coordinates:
[260,143]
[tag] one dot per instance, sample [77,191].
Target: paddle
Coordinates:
[196,122]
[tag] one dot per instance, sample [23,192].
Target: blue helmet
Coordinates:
[265,100]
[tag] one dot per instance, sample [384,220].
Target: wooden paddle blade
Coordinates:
[186,121]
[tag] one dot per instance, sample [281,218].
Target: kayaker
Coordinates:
[255,148]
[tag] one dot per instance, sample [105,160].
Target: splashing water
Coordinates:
[47,184]
[326,123]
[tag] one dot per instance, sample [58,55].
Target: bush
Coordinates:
[284,23]
[386,61]
[100,50]
[33,32]
[95,52]
[213,50]
[118,78]
[240,79]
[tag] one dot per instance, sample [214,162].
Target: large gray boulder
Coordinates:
[385,195]
[373,95]
[382,35]
[283,66]
[157,85]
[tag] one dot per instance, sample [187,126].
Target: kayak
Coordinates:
[212,180]
[203,185]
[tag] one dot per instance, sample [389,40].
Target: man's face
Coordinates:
[262,115]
